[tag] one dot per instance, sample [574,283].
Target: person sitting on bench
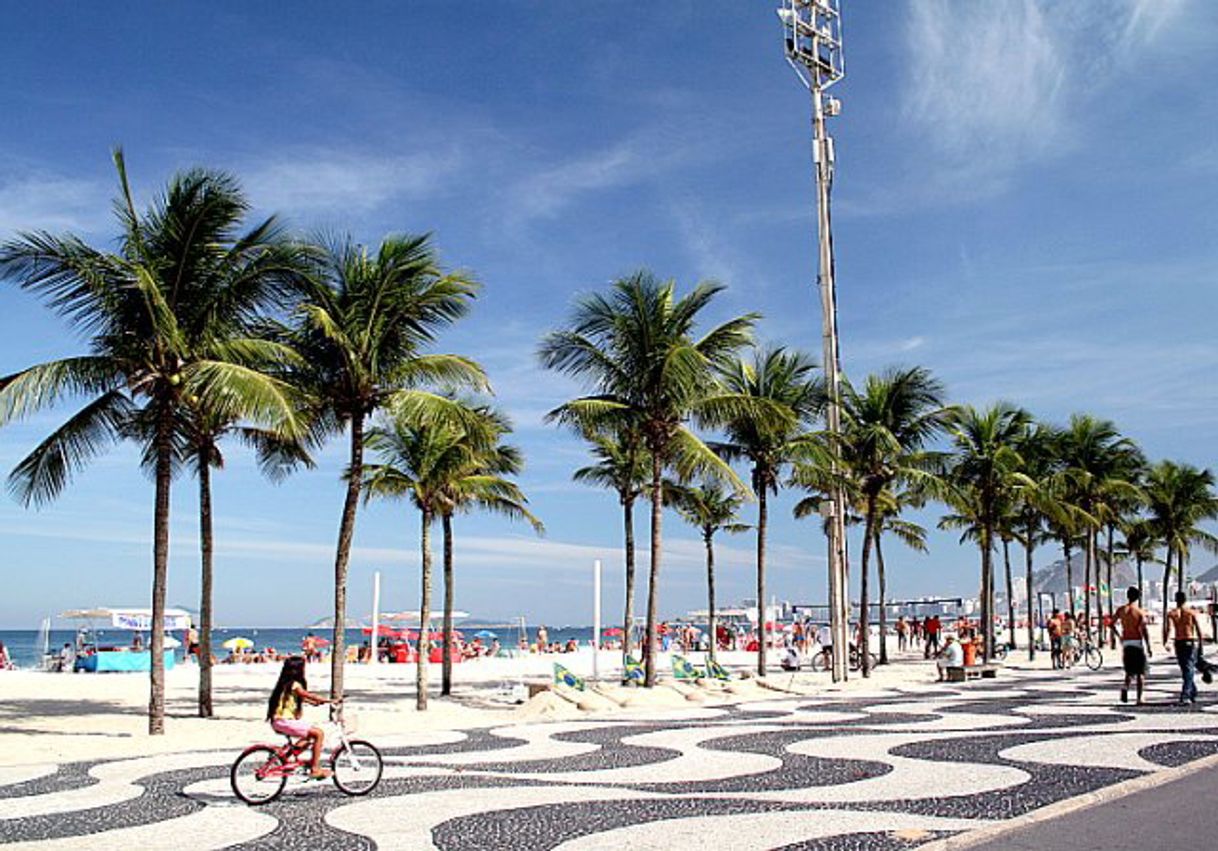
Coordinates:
[952,656]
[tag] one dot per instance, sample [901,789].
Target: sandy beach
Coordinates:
[46,717]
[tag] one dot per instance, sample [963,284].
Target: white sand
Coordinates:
[51,718]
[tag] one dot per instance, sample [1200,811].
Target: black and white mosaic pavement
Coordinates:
[884,770]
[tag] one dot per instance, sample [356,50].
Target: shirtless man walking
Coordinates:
[1135,643]
[1188,642]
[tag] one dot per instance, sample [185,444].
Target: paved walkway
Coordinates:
[885,770]
[1179,814]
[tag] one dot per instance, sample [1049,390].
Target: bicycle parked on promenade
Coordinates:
[262,771]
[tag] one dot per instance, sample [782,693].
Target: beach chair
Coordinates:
[683,669]
[632,670]
[716,671]
[562,676]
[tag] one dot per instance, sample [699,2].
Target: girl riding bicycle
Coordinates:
[286,705]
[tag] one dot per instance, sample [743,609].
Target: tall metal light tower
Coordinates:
[812,31]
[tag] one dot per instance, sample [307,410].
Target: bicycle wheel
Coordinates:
[259,775]
[820,662]
[357,767]
[1094,658]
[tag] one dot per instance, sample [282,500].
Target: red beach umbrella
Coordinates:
[613,631]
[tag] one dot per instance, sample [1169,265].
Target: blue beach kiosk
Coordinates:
[93,655]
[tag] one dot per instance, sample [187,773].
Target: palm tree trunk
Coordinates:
[883,582]
[710,593]
[864,590]
[762,632]
[653,581]
[1088,561]
[346,532]
[1028,551]
[424,614]
[1069,576]
[206,544]
[446,663]
[987,602]
[160,570]
[1006,560]
[1111,611]
[628,616]
[1138,560]
[1166,578]
[1180,565]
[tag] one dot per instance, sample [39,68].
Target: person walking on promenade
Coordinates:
[932,627]
[1135,643]
[1183,621]
[1054,627]
[902,633]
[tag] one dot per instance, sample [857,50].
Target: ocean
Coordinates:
[24,650]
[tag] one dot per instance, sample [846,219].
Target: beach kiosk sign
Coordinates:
[97,657]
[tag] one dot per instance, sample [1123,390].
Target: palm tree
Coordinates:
[784,380]
[156,312]
[636,349]
[623,466]
[979,477]
[885,426]
[278,454]
[711,508]
[477,481]
[1035,506]
[1095,458]
[363,322]
[910,534]
[419,461]
[1140,543]
[1180,497]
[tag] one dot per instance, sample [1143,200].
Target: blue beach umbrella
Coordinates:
[485,633]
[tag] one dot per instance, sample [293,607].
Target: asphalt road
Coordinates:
[1179,814]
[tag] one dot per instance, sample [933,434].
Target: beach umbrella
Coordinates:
[321,642]
[613,631]
[485,633]
[238,643]
[382,631]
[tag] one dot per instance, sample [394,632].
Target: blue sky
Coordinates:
[1024,204]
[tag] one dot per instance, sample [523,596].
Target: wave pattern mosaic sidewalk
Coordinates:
[887,771]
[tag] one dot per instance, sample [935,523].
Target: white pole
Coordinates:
[376,616]
[596,619]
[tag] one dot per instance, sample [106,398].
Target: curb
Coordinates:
[1070,805]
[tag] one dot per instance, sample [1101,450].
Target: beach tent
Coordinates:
[136,620]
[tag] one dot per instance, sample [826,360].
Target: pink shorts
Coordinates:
[291,727]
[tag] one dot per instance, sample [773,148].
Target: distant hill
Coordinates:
[1052,579]
[1210,575]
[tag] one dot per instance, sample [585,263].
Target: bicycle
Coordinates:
[822,661]
[261,772]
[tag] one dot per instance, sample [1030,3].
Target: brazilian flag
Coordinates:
[632,670]
[717,671]
[683,669]
[564,677]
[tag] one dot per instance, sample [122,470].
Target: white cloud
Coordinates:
[342,181]
[995,85]
[45,201]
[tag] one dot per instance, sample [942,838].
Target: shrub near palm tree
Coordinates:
[637,351]
[622,465]
[785,380]
[363,323]
[980,474]
[476,480]
[163,315]
[712,509]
